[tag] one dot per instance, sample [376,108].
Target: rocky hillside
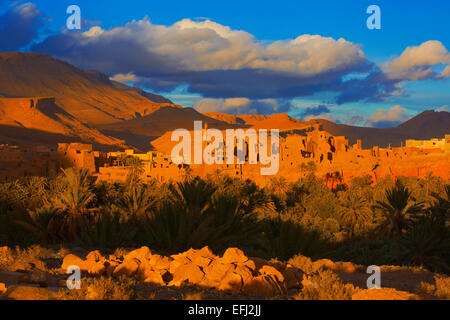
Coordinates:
[89,96]
[41,120]
[281,121]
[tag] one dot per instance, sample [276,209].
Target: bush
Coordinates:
[102,289]
[325,285]
[440,289]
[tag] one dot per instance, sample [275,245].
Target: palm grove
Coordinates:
[402,221]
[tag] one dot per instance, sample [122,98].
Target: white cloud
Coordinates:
[443,108]
[392,117]
[415,62]
[445,73]
[217,61]
[125,78]
[242,106]
[207,45]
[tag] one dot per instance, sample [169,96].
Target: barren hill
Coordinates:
[280,121]
[87,95]
[41,120]
[142,130]
[427,125]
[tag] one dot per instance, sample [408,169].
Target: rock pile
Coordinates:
[234,272]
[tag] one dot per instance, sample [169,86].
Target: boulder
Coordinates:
[146,270]
[234,255]
[217,270]
[202,262]
[143,253]
[154,277]
[188,272]
[128,268]
[260,285]
[232,283]
[292,277]
[72,260]
[2,288]
[175,264]
[207,253]
[99,268]
[95,256]
[159,262]
[251,265]
[245,273]
[258,262]
[280,266]
[272,271]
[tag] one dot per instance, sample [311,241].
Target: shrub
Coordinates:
[102,289]
[440,289]
[325,285]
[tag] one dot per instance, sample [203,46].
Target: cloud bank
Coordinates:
[19,26]
[214,60]
[240,106]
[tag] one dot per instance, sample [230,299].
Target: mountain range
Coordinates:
[44,101]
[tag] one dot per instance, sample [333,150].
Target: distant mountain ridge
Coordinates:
[42,117]
[426,125]
[44,100]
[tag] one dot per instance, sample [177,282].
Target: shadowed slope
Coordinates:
[87,95]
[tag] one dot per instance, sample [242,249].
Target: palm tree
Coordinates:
[135,202]
[398,210]
[440,207]
[76,195]
[45,222]
[355,209]
[279,185]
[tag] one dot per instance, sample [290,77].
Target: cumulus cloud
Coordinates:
[415,63]
[213,60]
[219,62]
[392,117]
[445,73]
[19,26]
[242,106]
[125,78]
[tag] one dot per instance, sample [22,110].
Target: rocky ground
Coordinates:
[40,274]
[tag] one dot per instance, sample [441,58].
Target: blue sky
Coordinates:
[409,87]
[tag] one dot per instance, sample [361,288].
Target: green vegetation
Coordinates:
[402,222]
